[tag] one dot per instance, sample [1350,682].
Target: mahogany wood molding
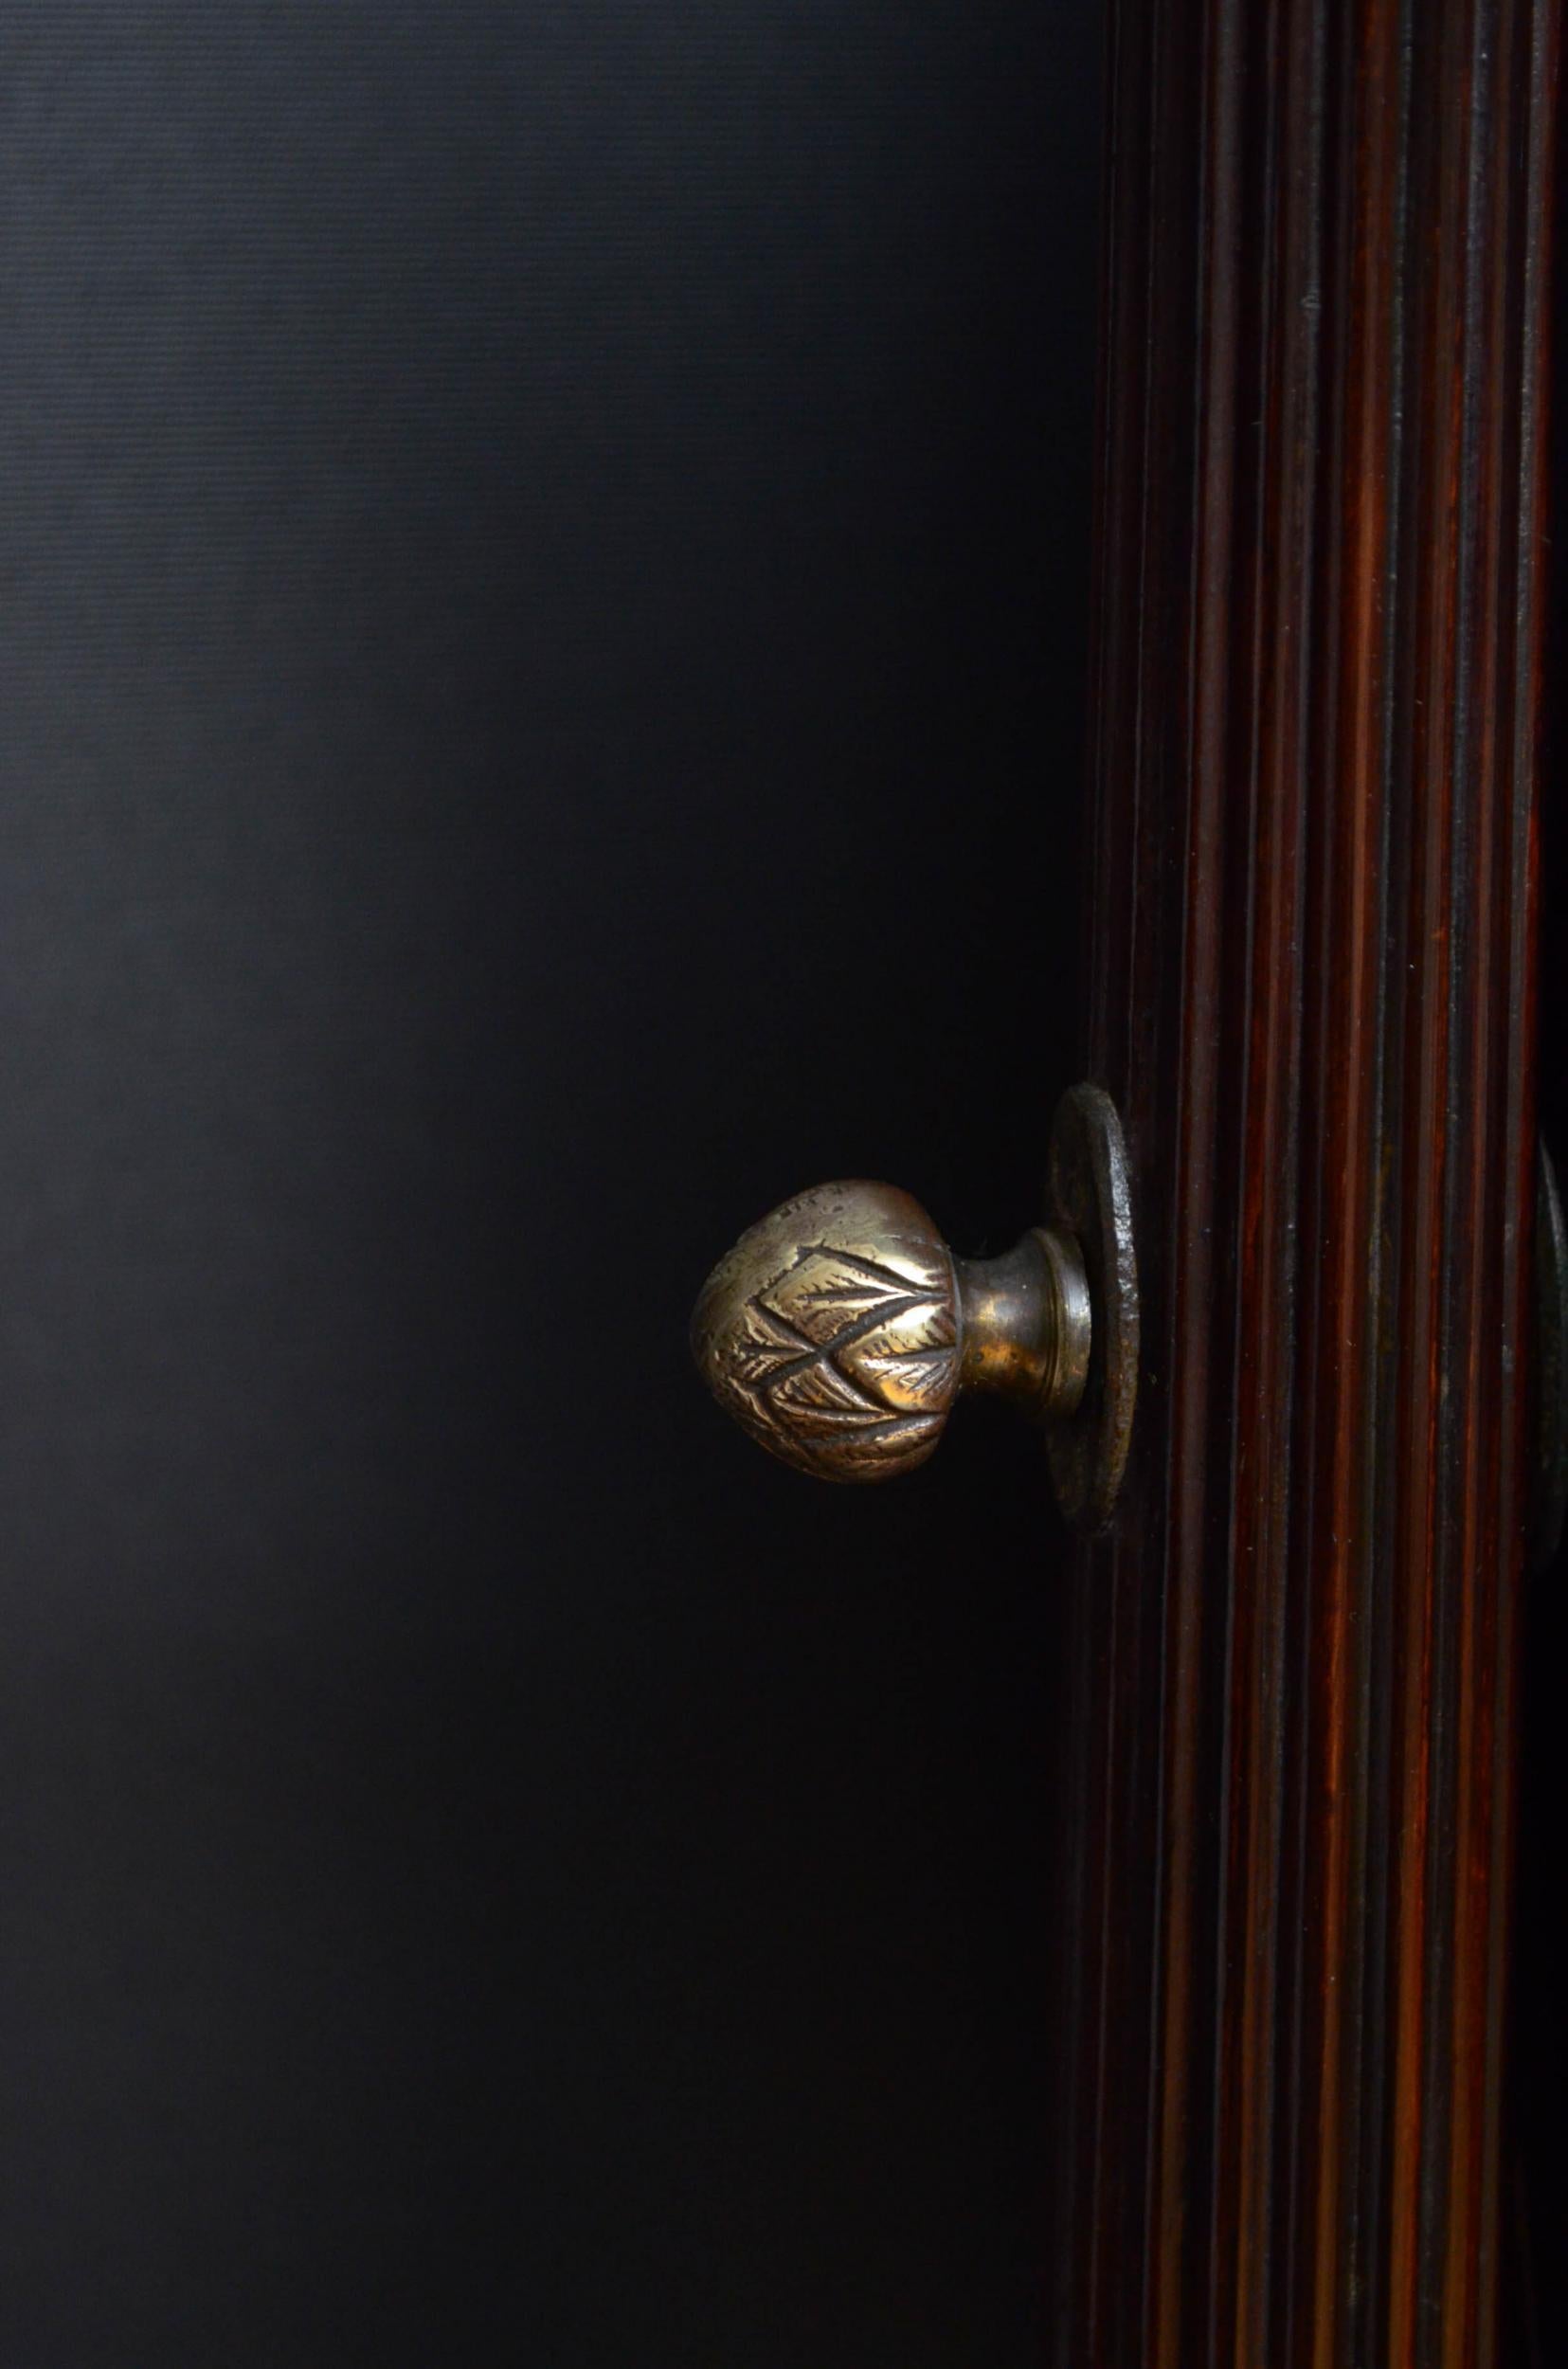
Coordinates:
[1313,831]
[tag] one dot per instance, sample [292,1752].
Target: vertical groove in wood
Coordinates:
[1317,680]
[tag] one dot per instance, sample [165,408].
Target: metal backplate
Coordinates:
[1091,1194]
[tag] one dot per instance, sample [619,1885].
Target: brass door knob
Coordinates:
[840,1329]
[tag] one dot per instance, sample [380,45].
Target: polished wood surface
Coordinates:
[1312,983]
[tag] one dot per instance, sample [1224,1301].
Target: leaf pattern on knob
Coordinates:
[831,1332]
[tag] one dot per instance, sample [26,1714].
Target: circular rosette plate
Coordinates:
[1091,1194]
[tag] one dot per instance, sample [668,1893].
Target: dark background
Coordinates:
[543,568]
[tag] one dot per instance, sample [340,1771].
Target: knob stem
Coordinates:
[1025,1325]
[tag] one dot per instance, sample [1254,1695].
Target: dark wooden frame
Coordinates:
[1312,980]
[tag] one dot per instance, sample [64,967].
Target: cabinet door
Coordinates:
[1312,993]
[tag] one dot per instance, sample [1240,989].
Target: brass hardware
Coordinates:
[840,1329]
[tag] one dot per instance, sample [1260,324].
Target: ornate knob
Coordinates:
[840,1329]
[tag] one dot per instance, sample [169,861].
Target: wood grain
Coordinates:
[1316,683]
